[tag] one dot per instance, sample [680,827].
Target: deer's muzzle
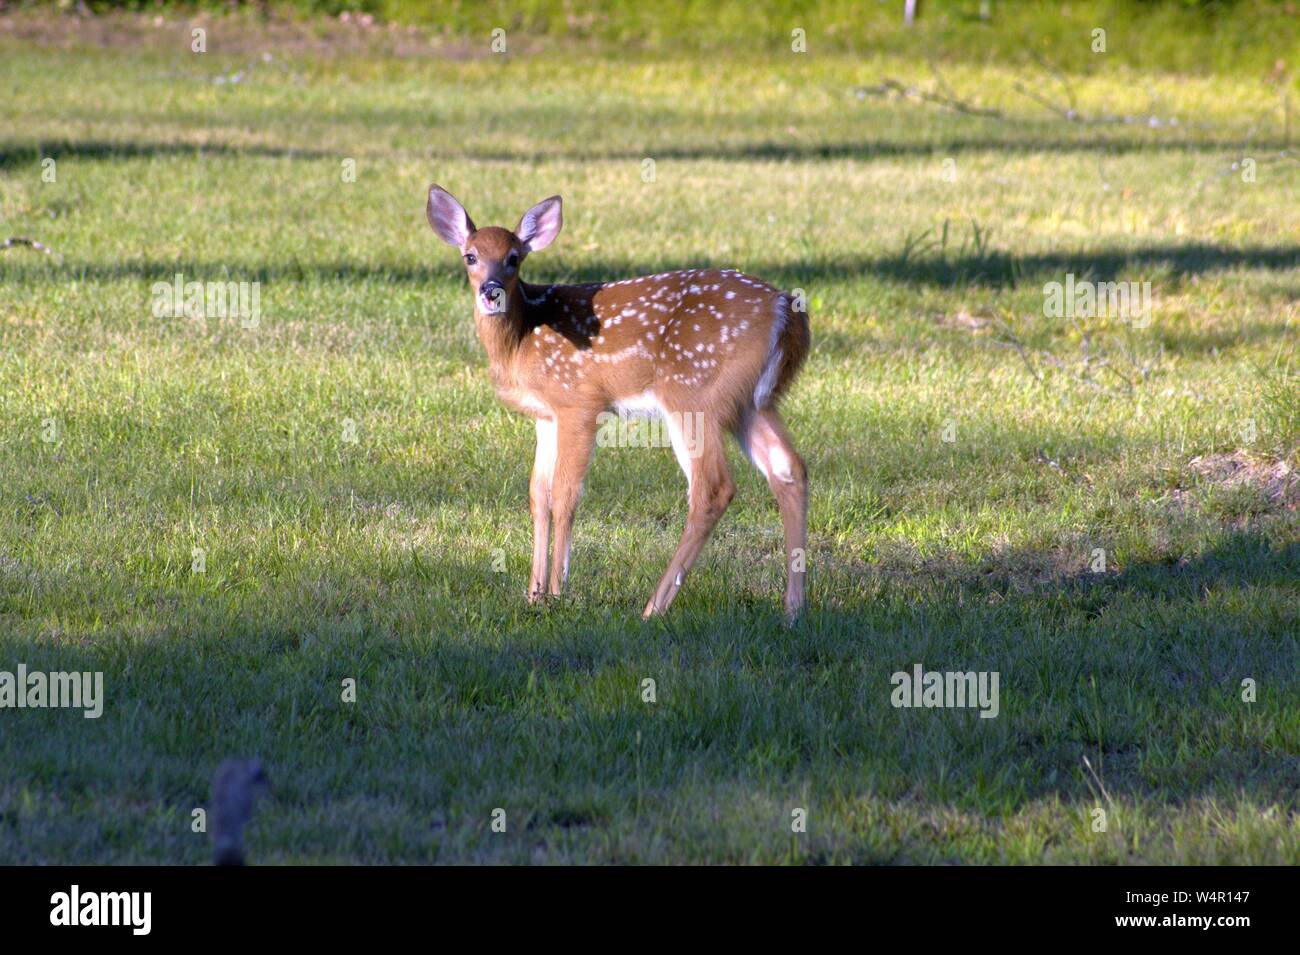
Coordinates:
[492,297]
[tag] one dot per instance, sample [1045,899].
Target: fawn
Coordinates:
[717,346]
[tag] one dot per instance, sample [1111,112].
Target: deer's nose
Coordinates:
[492,295]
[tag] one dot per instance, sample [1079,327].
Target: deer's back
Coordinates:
[677,335]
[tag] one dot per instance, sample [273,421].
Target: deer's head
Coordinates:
[492,255]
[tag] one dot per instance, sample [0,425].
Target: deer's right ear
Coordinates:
[540,224]
[448,217]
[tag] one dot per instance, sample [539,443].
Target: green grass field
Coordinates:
[968,456]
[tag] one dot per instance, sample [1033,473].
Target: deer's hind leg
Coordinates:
[710,489]
[766,442]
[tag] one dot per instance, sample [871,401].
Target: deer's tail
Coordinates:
[791,339]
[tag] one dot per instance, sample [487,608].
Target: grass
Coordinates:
[377,560]
[1188,36]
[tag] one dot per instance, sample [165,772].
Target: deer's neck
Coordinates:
[501,336]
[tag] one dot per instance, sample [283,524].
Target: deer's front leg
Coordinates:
[539,499]
[575,438]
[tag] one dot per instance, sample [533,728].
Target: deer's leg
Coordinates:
[575,438]
[539,500]
[765,440]
[710,491]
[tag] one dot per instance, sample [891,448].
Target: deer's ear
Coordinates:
[540,224]
[448,217]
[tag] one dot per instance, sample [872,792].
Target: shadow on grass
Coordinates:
[788,151]
[1139,670]
[1024,138]
[991,270]
[16,154]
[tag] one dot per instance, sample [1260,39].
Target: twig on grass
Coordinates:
[1014,343]
[888,85]
[1092,360]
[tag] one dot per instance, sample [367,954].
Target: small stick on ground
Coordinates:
[234,787]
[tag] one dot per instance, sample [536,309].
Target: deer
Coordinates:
[708,347]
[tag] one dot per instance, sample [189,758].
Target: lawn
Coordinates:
[230,521]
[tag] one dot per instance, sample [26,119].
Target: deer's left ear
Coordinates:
[540,224]
[448,217]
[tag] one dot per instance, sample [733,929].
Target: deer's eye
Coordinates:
[470,258]
[512,261]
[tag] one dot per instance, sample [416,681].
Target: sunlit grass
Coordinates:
[327,559]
